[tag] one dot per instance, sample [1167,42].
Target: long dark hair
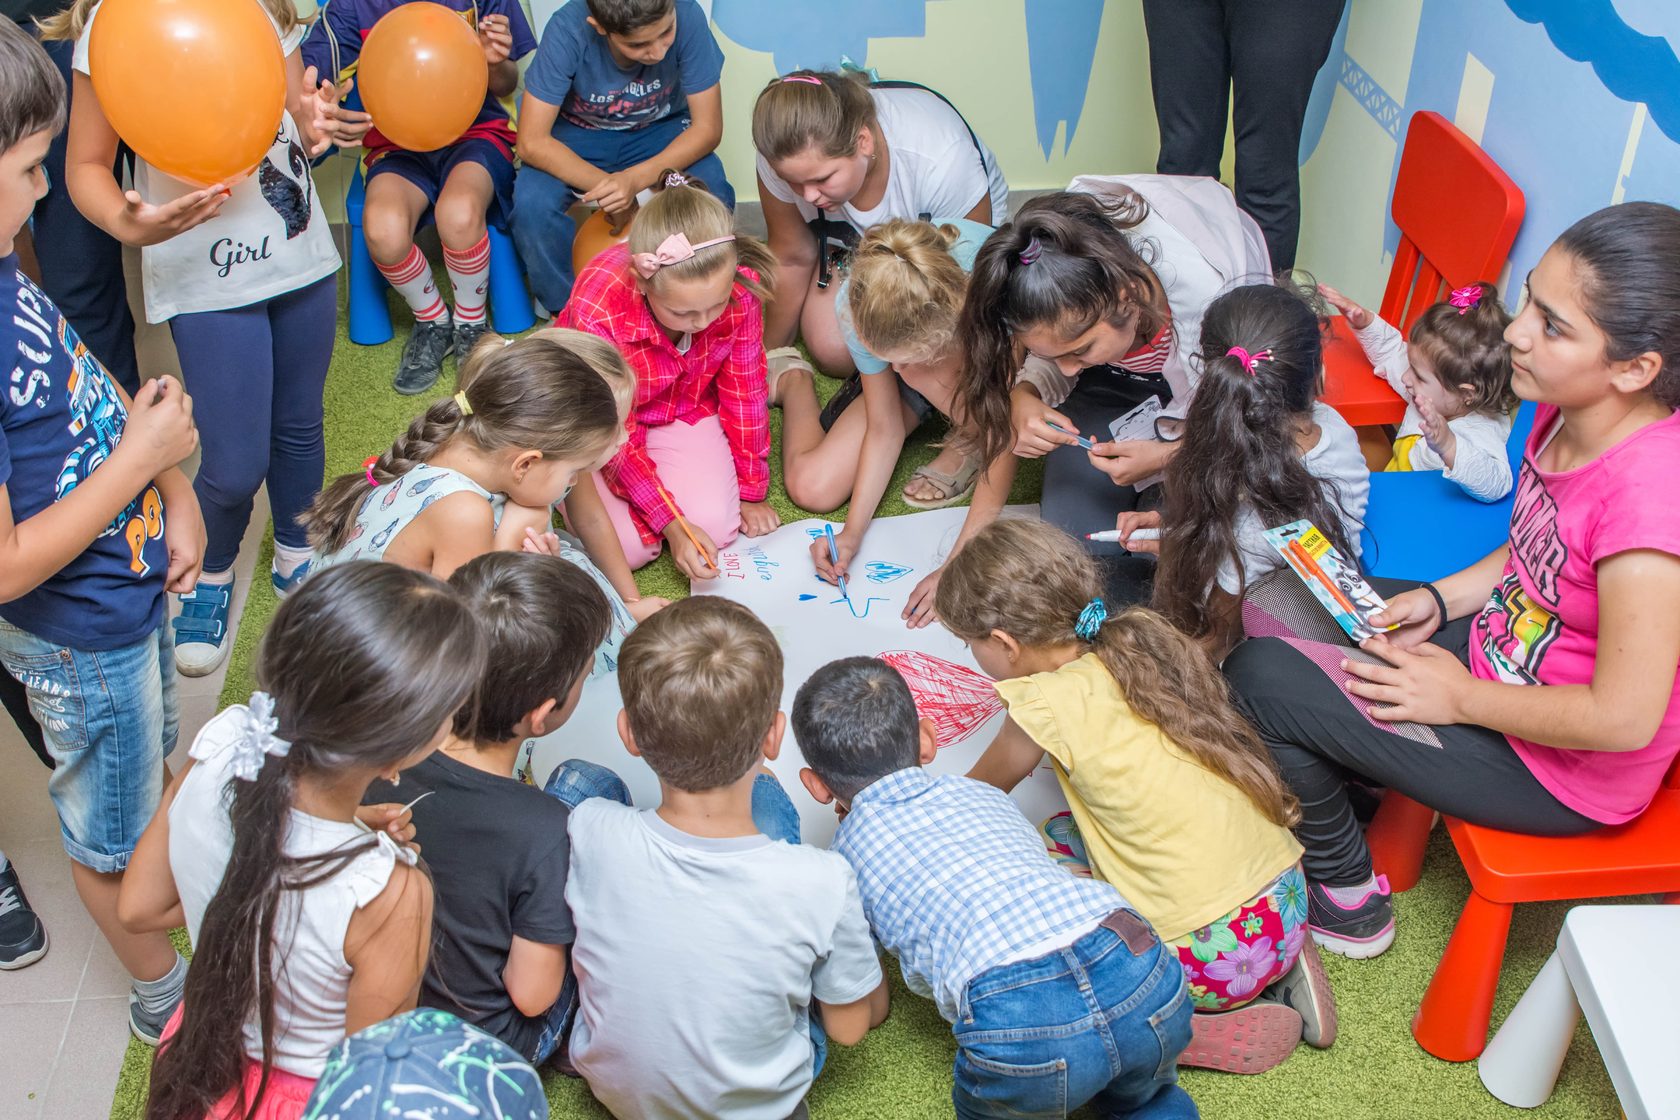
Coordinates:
[1065,261]
[1031,581]
[1630,287]
[365,662]
[1239,447]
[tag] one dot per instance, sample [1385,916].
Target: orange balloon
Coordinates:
[595,234]
[196,87]
[423,76]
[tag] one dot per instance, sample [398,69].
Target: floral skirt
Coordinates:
[1230,960]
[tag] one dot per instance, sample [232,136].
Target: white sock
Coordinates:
[1350,896]
[157,995]
[216,579]
[287,560]
[469,275]
[413,280]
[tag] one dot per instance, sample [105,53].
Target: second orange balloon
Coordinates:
[423,76]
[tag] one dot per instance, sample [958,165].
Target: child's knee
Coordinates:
[460,219]
[387,233]
[810,489]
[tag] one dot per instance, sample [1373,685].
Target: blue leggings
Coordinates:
[256,374]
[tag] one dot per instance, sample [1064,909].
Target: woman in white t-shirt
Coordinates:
[245,276]
[836,150]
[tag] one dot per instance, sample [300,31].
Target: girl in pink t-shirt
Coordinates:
[1550,706]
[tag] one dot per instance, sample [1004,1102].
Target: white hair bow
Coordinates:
[254,739]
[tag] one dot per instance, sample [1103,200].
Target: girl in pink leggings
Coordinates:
[683,300]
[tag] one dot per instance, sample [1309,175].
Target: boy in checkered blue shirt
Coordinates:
[1058,993]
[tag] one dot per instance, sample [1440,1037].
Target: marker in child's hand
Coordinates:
[1115,536]
[415,802]
[1082,441]
[834,558]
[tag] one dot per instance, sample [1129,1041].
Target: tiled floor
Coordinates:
[64,1019]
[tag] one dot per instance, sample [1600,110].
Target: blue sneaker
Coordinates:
[201,630]
[285,585]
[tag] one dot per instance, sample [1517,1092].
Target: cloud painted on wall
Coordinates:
[814,34]
[1061,46]
[1632,65]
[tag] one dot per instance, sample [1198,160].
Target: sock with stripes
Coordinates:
[469,273]
[412,278]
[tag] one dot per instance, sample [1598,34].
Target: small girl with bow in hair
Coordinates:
[683,301]
[1174,798]
[1455,373]
[308,915]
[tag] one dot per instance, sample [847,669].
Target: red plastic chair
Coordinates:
[1458,214]
[1505,868]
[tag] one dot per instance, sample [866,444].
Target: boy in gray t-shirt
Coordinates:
[714,952]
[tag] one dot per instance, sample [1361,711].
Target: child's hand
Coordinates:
[397,820]
[646,607]
[695,563]
[1358,317]
[1416,616]
[160,425]
[1129,461]
[496,38]
[919,610]
[1422,684]
[757,518]
[544,544]
[329,121]
[185,538]
[160,223]
[845,547]
[615,193]
[1032,420]
[1436,431]
[1133,520]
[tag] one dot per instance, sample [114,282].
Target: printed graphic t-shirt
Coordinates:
[1541,624]
[269,238]
[60,418]
[334,46]
[574,70]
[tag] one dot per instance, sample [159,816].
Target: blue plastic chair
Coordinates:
[1419,526]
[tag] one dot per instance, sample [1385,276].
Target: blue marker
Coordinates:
[834,558]
[1077,438]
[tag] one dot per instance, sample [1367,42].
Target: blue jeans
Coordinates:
[543,231]
[259,417]
[1094,1022]
[576,781]
[109,718]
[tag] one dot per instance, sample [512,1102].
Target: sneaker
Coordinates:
[1306,988]
[1251,1039]
[148,1026]
[466,337]
[422,357]
[23,939]
[1362,930]
[201,629]
[285,585]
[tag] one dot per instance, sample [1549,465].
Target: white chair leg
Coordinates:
[1520,1065]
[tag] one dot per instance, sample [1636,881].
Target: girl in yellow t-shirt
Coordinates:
[1175,799]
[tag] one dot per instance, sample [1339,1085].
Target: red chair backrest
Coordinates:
[1458,214]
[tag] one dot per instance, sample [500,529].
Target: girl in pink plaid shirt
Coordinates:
[683,301]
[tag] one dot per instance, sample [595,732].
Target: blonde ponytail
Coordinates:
[905,290]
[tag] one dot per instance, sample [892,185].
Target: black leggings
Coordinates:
[1320,740]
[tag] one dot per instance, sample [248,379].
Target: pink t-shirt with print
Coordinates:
[1541,624]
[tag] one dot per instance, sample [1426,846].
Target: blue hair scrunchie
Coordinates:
[1091,620]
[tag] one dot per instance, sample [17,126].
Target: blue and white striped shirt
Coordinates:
[954,881]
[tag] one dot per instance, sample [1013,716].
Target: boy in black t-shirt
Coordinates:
[496,847]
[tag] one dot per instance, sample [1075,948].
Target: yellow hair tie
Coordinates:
[461,402]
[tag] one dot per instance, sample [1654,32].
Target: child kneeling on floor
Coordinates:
[716,955]
[497,847]
[1035,969]
[1176,802]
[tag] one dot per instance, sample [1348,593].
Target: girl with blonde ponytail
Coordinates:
[1176,800]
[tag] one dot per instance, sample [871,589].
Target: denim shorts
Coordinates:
[109,718]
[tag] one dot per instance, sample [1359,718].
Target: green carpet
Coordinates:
[903,1069]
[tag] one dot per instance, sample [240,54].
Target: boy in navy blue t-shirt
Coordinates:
[96,521]
[619,91]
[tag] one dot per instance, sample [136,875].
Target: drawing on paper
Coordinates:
[852,604]
[958,700]
[880,571]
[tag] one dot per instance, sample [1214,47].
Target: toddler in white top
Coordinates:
[1455,373]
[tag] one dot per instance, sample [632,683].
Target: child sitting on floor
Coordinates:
[1176,801]
[715,954]
[1455,373]
[497,847]
[683,300]
[1033,968]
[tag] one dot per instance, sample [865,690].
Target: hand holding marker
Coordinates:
[1115,536]
[1082,441]
[834,558]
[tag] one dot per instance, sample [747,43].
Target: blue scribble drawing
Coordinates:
[815,33]
[880,571]
[1061,45]
[813,533]
[804,598]
[851,604]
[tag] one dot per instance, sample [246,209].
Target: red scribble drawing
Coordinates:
[958,700]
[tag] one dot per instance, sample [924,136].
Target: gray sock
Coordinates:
[164,992]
